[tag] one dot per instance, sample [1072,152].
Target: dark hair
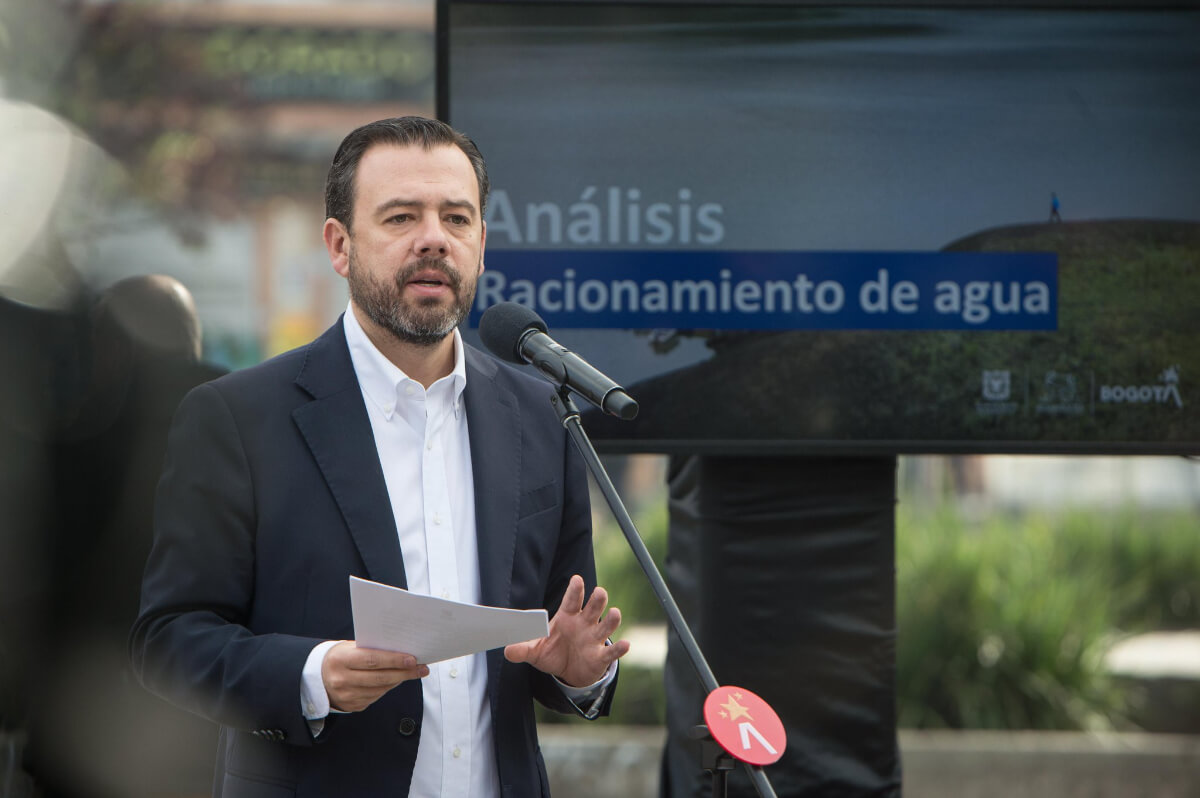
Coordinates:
[402,131]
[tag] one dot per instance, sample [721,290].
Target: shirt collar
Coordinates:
[383,382]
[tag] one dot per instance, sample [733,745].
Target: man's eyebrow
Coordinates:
[398,202]
[462,205]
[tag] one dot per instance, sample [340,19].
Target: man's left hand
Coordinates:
[575,652]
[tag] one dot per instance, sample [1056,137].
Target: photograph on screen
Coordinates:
[823,227]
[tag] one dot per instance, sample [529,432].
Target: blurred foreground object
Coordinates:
[44,169]
[52,178]
[94,731]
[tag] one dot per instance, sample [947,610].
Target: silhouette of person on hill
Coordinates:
[1054,205]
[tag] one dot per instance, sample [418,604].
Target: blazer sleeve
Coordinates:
[191,643]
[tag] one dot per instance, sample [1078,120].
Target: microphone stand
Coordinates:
[569,414]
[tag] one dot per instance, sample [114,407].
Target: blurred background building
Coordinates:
[224,116]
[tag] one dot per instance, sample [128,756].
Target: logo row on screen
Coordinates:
[1002,392]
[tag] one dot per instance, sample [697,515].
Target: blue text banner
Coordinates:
[723,290]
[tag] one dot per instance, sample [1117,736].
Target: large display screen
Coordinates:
[814,228]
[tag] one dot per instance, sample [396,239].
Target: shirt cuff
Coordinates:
[314,701]
[588,700]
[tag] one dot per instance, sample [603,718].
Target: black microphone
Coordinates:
[517,334]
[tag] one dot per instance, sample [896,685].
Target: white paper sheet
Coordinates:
[434,629]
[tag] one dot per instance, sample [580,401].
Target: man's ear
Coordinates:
[482,245]
[337,243]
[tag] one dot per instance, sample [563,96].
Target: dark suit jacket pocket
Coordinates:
[539,499]
[257,768]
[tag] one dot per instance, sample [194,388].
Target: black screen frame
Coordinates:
[856,447]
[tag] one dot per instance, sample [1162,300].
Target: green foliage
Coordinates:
[1003,625]
[1151,561]
[618,570]
[992,634]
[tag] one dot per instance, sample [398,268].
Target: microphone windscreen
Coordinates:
[501,328]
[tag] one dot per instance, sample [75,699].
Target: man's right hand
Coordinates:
[356,677]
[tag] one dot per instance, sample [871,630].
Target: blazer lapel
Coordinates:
[336,427]
[494,430]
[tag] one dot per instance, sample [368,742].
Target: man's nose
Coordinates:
[431,238]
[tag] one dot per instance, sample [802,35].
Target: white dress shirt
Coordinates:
[421,438]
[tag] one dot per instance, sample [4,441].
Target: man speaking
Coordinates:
[389,450]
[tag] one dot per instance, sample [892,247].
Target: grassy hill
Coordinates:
[1129,308]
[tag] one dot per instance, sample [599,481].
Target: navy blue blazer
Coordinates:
[272,495]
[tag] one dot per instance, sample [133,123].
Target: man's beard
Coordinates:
[424,322]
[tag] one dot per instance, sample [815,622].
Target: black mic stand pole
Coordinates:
[569,413]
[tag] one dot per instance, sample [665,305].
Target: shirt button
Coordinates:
[429,445]
[445,594]
[457,752]
[408,389]
[312,710]
[453,675]
[437,520]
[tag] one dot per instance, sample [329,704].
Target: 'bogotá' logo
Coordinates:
[1166,390]
[997,385]
[997,394]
